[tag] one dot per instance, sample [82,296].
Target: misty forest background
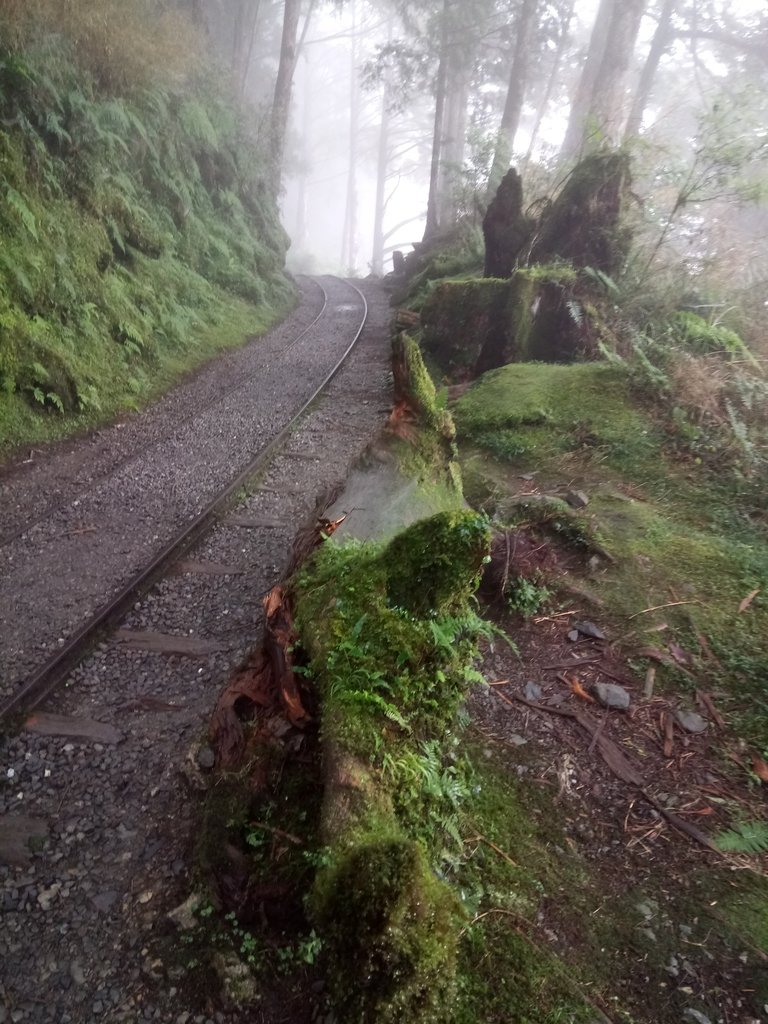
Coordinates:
[160,158]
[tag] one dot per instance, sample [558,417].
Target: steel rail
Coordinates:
[11,536]
[53,672]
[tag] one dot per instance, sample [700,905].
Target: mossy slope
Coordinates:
[680,535]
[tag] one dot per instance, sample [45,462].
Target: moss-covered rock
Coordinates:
[463,318]
[391,638]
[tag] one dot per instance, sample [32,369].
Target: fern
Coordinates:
[17,204]
[749,837]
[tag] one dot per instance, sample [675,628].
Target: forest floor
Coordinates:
[598,827]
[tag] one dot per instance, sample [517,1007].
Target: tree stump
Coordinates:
[505,228]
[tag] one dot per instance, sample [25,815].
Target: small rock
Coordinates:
[690,721]
[612,696]
[696,1016]
[574,635]
[532,691]
[206,758]
[589,629]
[649,933]
[184,916]
[517,741]
[104,901]
[577,499]
[76,972]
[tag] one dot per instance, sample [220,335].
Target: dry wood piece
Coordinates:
[166,643]
[76,728]
[706,703]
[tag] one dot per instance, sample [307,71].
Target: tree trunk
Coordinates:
[518,76]
[382,166]
[244,28]
[349,241]
[662,39]
[582,101]
[454,135]
[282,102]
[607,114]
[554,74]
[433,215]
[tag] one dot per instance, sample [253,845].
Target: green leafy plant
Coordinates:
[748,837]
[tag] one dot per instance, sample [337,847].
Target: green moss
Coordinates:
[432,567]
[392,930]
[678,533]
[392,641]
[458,318]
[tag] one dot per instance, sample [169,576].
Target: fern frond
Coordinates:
[16,203]
[749,837]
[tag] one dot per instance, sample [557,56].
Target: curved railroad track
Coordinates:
[79,567]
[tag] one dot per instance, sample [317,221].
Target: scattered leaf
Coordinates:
[578,691]
[760,768]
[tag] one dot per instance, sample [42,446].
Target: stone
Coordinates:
[517,741]
[17,834]
[574,635]
[206,759]
[532,691]
[696,1016]
[577,499]
[589,629]
[612,696]
[690,721]
[184,915]
[104,901]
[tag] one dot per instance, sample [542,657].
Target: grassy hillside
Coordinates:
[138,229]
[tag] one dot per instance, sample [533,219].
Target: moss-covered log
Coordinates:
[390,637]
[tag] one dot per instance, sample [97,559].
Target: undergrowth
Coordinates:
[139,232]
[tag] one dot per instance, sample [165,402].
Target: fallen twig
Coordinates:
[660,607]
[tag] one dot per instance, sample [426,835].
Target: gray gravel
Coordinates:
[84,933]
[65,567]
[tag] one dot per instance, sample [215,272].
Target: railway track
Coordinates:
[66,555]
[98,785]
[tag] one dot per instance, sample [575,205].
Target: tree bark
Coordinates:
[513,106]
[582,101]
[349,240]
[282,101]
[382,166]
[662,38]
